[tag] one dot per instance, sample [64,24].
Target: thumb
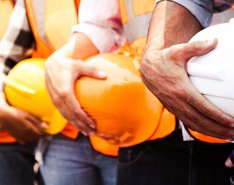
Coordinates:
[184,52]
[91,71]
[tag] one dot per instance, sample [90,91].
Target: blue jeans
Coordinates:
[74,162]
[16,164]
[171,161]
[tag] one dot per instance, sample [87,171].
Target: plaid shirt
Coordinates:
[17,40]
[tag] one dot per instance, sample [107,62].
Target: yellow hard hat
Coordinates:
[25,89]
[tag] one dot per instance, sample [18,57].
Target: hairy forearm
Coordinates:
[78,47]
[171,24]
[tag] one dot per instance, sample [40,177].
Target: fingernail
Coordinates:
[101,74]
[44,125]
[211,41]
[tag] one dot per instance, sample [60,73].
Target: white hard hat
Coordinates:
[213,73]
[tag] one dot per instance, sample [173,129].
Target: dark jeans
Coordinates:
[232,180]
[16,164]
[171,161]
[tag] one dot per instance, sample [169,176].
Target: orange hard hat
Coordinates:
[121,105]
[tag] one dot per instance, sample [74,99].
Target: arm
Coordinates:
[164,67]
[61,87]
[98,32]
[13,48]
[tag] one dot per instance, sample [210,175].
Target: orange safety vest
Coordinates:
[51,24]
[6,7]
[136,16]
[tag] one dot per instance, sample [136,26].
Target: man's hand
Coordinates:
[61,75]
[164,73]
[22,125]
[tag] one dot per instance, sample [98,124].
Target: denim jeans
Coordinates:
[16,164]
[74,162]
[171,161]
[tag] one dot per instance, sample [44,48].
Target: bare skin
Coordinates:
[67,62]
[23,126]
[164,70]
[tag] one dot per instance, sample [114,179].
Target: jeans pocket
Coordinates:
[129,156]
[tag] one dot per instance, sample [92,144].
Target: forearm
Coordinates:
[171,24]
[78,47]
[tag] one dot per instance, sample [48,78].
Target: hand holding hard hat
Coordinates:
[62,92]
[165,74]
[121,105]
[25,89]
[212,74]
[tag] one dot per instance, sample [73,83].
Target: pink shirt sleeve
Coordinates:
[101,22]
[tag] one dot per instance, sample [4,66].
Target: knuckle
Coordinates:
[227,120]
[147,58]
[227,132]
[56,101]
[80,126]
[90,70]
[78,112]
[181,93]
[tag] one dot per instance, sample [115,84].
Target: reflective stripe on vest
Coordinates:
[6,8]
[136,25]
[51,23]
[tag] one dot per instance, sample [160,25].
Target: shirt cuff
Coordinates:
[200,11]
[105,39]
